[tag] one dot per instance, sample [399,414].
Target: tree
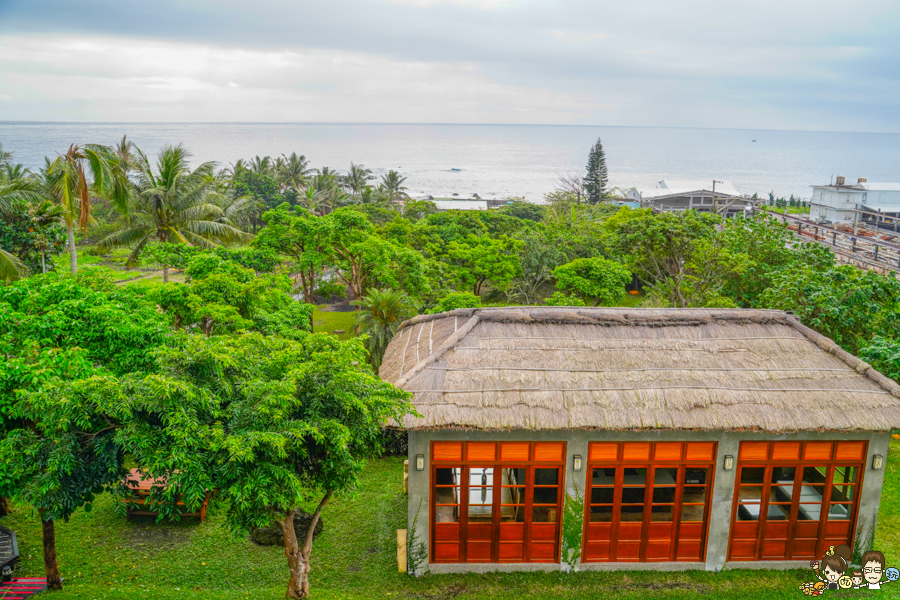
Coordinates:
[381,313]
[303,238]
[68,179]
[572,185]
[392,186]
[272,424]
[414,210]
[15,195]
[175,204]
[357,179]
[455,300]
[597,178]
[480,260]
[538,257]
[561,299]
[521,209]
[292,172]
[598,279]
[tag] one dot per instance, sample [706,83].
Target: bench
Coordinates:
[142,487]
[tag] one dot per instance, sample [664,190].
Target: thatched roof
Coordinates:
[620,368]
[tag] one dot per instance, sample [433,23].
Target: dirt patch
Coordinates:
[653,586]
[339,307]
[146,536]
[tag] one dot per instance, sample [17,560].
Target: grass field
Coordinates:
[104,557]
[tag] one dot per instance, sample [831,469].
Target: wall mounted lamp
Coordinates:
[877,462]
[729,462]
[420,462]
[576,462]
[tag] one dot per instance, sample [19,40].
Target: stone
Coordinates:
[339,331]
[272,535]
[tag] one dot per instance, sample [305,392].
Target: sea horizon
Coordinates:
[500,159]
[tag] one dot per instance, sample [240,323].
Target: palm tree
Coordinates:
[175,204]
[381,313]
[263,166]
[292,171]
[313,200]
[43,215]
[68,178]
[392,185]
[357,179]
[13,193]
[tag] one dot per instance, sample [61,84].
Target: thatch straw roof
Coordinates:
[620,368]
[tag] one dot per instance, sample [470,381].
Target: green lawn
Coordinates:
[327,321]
[103,556]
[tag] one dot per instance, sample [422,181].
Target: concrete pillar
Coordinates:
[419,493]
[870,494]
[722,501]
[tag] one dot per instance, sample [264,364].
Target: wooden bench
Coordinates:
[142,487]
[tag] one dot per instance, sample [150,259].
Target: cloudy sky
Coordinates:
[780,64]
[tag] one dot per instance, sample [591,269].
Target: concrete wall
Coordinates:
[577,443]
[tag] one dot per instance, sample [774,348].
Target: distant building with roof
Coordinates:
[840,202]
[679,195]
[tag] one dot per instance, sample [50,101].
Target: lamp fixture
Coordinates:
[420,462]
[877,462]
[576,462]
[729,462]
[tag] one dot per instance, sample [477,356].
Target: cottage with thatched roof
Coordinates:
[681,438]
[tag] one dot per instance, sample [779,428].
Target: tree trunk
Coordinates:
[4,506]
[73,256]
[165,273]
[43,264]
[51,568]
[298,557]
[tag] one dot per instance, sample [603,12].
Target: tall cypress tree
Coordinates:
[597,175]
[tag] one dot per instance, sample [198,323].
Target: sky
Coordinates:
[824,65]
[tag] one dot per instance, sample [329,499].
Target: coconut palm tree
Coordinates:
[292,171]
[42,216]
[380,314]
[175,204]
[13,194]
[263,166]
[392,185]
[68,176]
[357,179]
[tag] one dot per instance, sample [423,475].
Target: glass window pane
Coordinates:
[544,514]
[665,476]
[845,474]
[602,495]
[546,477]
[603,477]
[779,512]
[663,494]
[635,477]
[446,514]
[842,493]
[661,513]
[481,485]
[694,495]
[809,512]
[480,513]
[783,475]
[512,495]
[750,493]
[447,495]
[813,475]
[748,512]
[695,476]
[545,495]
[695,513]
[512,514]
[512,476]
[839,512]
[752,474]
[632,513]
[633,495]
[444,476]
[601,514]
[481,495]
[781,493]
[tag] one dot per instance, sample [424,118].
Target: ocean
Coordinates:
[503,160]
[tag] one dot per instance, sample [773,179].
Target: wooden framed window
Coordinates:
[647,501]
[496,502]
[793,500]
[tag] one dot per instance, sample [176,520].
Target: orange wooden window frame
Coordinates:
[536,544]
[651,455]
[793,538]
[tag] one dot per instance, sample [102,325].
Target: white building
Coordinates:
[839,202]
[675,195]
